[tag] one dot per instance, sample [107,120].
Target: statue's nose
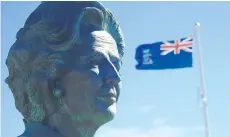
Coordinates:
[110,74]
[113,79]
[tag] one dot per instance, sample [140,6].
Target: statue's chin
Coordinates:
[111,111]
[105,113]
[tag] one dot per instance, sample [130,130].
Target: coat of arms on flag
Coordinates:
[170,54]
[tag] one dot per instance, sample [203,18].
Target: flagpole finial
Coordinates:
[197,24]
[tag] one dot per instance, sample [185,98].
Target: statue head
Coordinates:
[64,65]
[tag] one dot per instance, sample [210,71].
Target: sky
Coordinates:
[152,103]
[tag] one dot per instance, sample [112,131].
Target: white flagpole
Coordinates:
[203,89]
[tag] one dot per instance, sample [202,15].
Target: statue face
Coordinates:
[84,62]
[92,87]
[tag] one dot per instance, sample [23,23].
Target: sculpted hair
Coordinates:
[33,70]
[36,60]
[41,55]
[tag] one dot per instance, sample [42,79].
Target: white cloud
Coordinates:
[160,131]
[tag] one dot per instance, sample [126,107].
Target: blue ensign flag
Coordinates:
[171,54]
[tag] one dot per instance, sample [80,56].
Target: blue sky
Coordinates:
[152,103]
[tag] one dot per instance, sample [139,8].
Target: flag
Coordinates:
[170,54]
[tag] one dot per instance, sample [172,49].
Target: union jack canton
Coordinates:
[176,46]
[172,54]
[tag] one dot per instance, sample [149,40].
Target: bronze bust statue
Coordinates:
[64,69]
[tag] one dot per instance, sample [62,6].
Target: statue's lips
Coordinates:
[108,97]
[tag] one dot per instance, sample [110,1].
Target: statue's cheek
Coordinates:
[83,81]
[95,80]
[80,90]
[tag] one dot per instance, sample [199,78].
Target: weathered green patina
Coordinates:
[64,69]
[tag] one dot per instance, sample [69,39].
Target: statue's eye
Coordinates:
[96,61]
[97,58]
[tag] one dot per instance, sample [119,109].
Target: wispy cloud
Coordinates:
[155,131]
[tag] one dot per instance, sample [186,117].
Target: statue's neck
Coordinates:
[61,130]
[39,130]
[76,131]
[72,128]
